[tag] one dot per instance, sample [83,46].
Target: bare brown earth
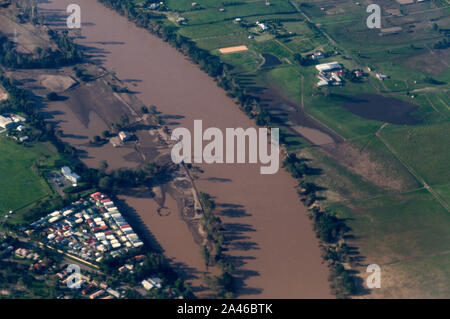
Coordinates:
[360,163]
[238,48]
[270,237]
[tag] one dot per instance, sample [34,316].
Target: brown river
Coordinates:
[271,238]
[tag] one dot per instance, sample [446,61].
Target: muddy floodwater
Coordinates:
[269,235]
[381,108]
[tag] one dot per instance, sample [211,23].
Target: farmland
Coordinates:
[394,232]
[387,174]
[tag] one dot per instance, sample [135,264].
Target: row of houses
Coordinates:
[89,228]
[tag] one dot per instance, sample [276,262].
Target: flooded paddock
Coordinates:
[383,109]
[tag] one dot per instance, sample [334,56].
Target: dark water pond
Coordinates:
[383,109]
[270,60]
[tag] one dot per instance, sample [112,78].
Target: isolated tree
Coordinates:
[52,96]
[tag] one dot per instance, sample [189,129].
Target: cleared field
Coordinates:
[423,277]
[341,184]
[20,184]
[239,9]
[211,30]
[398,227]
[235,49]
[404,234]
[246,60]
[444,192]
[425,149]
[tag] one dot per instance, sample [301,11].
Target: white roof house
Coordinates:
[17,118]
[6,122]
[69,175]
[326,67]
[262,26]
[124,136]
[323,81]
[147,285]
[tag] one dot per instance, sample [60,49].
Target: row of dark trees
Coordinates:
[224,284]
[66,54]
[329,228]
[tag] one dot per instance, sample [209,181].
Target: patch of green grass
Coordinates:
[222,41]
[20,183]
[246,61]
[425,149]
[398,227]
[340,183]
[211,30]
[424,277]
[243,9]
[444,192]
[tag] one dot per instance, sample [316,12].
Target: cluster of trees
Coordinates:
[328,227]
[112,182]
[22,101]
[214,230]
[66,54]
[224,283]
[296,166]
[303,61]
[21,283]
[442,44]
[151,264]
[351,75]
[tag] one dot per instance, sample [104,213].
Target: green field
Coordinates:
[20,183]
[425,149]
[404,234]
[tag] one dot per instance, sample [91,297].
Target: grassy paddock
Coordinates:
[425,149]
[20,183]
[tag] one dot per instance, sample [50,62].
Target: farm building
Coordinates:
[69,175]
[124,136]
[6,122]
[327,67]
